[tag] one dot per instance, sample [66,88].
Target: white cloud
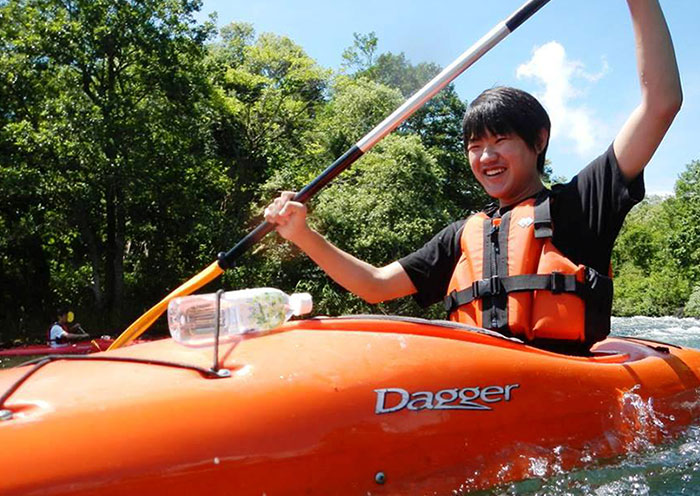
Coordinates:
[550,66]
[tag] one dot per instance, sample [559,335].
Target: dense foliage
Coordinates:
[135,143]
[108,169]
[657,256]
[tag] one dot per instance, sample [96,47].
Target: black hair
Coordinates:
[505,110]
[62,310]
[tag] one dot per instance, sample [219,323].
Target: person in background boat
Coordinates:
[63,330]
[506,134]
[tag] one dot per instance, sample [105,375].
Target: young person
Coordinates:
[535,264]
[60,332]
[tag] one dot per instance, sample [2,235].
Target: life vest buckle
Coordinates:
[487,287]
[475,290]
[592,277]
[557,282]
[494,285]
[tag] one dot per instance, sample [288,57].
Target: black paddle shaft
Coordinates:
[227,259]
[524,13]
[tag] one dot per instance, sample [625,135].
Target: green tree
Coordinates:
[657,255]
[357,105]
[105,114]
[268,95]
[438,122]
[360,56]
[684,242]
[385,207]
[692,307]
[549,178]
[396,71]
[649,280]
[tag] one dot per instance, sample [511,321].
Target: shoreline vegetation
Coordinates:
[136,143]
[656,259]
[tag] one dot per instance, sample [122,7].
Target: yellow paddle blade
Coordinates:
[144,322]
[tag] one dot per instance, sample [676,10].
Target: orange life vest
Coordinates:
[512,279]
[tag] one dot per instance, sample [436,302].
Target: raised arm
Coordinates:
[372,284]
[660,87]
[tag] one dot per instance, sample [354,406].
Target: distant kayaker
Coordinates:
[536,264]
[63,331]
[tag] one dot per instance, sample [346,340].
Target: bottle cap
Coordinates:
[301,303]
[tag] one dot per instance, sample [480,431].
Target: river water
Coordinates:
[668,469]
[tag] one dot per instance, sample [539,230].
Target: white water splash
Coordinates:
[538,467]
[639,418]
[634,485]
[674,330]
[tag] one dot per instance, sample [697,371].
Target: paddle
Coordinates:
[226,260]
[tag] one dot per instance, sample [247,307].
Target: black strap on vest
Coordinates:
[556,282]
[543,217]
[495,303]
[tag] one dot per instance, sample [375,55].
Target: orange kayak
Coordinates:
[380,406]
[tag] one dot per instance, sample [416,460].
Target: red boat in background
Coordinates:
[76,348]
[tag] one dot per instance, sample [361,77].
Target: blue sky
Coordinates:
[584,47]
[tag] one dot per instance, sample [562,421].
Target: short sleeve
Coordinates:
[57,332]
[588,212]
[430,268]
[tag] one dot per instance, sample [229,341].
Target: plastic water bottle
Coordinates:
[192,319]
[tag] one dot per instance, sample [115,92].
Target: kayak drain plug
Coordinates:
[5,415]
[380,478]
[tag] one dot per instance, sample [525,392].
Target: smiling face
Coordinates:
[505,166]
[506,133]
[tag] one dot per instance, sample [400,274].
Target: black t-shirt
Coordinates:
[587,214]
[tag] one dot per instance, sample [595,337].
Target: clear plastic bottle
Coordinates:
[192,319]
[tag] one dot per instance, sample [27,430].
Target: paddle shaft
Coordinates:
[226,260]
[474,53]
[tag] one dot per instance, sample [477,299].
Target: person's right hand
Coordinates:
[288,215]
[79,329]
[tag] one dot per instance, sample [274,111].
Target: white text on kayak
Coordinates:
[390,400]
